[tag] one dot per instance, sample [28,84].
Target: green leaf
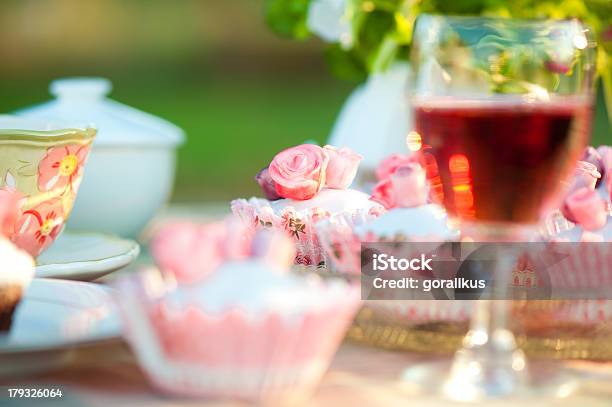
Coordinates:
[288,17]
[346,64]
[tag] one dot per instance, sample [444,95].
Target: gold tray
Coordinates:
[555,341]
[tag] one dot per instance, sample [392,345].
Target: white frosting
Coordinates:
[254,287]
[332,200]
[16,266]
[423,221]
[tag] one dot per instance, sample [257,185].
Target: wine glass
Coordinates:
[503,109]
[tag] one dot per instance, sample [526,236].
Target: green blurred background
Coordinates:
[210,66]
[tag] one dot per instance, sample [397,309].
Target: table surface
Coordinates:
[107,374]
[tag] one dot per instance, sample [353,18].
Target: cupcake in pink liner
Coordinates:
[251,330]
[404,192]
[302,186]
[587,263]
[190,251]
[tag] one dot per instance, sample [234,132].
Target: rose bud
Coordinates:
[299,172]
[274,248]
[383,194]
[409,186]
[342,167]
[586,208]
[267,185]
[390,164]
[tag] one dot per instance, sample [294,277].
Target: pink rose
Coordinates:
[409,186]
[342,167]
[188,250]
[267,185]
[383,194]
[390,164]
[299,172]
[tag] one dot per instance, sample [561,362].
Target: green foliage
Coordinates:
[288,17]
[383,28]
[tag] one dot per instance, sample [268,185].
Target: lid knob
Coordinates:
[81,88]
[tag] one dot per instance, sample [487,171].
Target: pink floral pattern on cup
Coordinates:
[62,167]
[38,227]
[38,211]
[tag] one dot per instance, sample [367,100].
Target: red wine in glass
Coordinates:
[501,159]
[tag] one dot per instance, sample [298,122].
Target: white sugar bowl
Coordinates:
[130,172]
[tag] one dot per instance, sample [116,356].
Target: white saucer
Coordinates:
[85,256]
[53,317]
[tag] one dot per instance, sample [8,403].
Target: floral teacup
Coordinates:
[41,167]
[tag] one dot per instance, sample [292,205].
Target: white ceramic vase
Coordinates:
[375,120]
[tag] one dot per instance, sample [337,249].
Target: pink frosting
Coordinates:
[299,172]
[342,167]
[586,208]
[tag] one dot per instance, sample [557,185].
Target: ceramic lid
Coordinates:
[85,100]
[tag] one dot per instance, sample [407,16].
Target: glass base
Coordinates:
[467,382]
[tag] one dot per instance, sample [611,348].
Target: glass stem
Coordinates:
[489,364]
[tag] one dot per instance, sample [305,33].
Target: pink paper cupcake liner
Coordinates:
[340,242]
[300,225]
[268,357]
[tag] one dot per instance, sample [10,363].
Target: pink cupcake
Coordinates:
[403,190]
[303,185]
[250,330]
